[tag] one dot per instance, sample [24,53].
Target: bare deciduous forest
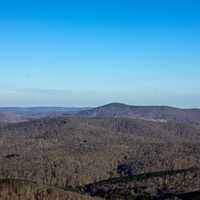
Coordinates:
[110,157]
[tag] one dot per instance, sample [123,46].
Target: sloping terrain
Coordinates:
[69,152]
[76,151]
[152,113]
[10,117]
[15,189]
[154,185]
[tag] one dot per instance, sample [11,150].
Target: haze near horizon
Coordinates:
[89,53]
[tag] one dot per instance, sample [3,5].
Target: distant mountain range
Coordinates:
[113,110]
[41,109]
[19,114]
[150,113]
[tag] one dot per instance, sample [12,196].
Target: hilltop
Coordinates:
[150,113]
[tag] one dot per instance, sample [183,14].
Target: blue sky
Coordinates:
[88,53]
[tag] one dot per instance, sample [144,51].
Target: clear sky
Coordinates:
[88,53]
